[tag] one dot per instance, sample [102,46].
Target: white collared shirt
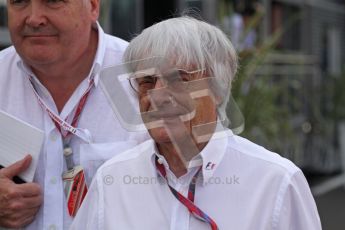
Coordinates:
[17,98]
[241,186]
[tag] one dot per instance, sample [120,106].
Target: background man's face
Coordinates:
[46,32]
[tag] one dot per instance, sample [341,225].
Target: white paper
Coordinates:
[17,139]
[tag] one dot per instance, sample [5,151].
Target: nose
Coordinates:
[36,17]
[166,90]
[160,95]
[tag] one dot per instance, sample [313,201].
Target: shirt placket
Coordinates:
[54,198]
[53,187]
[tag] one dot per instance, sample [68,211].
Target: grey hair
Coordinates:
[191,42]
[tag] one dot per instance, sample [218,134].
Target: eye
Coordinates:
[185,76]
[55,3]
[19,2]
[142,84]
[147,80]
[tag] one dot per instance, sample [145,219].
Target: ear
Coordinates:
[218,100]
[217,96]
[95,7]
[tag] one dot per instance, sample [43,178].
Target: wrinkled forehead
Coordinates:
[150,66]
[160,65]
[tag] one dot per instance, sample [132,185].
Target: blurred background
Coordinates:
[291,83]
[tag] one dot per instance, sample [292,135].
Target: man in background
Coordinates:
[49,77]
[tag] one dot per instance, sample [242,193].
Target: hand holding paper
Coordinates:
[16,168]
[17,139]
[18,203]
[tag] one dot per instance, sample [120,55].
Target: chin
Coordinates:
[159,135]
[39,58]
[39,54]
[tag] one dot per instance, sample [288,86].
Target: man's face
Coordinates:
[170,105]
[49,32]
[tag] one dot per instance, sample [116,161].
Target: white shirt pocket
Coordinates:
[92,156]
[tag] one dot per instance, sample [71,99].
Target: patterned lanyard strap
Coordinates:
[188,203]
[63,126]
[80,107]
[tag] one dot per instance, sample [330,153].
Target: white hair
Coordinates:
[190,42]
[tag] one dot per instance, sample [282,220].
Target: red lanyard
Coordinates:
[188,203]
[63,126]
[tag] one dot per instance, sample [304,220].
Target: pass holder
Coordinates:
[74,183]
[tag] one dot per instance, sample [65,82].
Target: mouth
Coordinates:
[40,39]
[169,114]
[157,118]
[40,35]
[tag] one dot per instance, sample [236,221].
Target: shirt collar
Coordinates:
[97,64]
[213,152]
[99,58]
[209,158]
[42,91]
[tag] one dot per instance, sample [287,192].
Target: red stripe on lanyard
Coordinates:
[188,203]
[60,123]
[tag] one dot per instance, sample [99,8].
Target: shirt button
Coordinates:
[52,227]
[53,180]
[160,160]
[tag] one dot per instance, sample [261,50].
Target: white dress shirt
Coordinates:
[241,186]
[17,98]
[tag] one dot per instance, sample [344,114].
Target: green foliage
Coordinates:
[267,119]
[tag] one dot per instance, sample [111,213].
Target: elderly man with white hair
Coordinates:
[194,173]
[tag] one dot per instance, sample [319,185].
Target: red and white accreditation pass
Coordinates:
[74,178]
[74,183]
